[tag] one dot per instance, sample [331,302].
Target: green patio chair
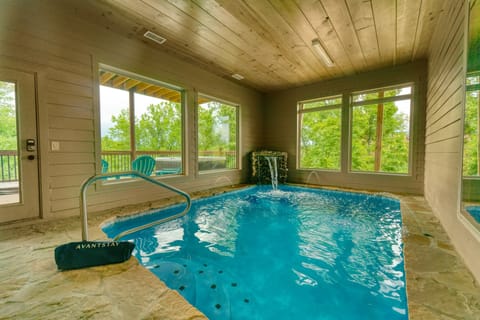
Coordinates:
[104,166]
[144,164]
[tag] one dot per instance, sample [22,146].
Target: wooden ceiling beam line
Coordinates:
[118,81]
[131,83]
[150,91]
[142,87]
[163,90]
[106,76]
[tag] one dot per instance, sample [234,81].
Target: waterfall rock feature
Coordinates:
[261,173]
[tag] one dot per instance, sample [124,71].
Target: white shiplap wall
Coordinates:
[444,131]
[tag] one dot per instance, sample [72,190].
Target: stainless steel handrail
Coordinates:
[89,181]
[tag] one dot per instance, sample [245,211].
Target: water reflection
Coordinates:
[162,239]
[341,234]
[217,226]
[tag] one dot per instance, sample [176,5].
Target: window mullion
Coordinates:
[322,108]
[378,146]
[345,154]
[133,147]
[382,100]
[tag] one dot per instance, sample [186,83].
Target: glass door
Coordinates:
[19,196]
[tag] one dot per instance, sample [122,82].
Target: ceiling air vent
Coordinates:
[154,37]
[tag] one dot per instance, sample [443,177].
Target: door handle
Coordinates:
[31,157]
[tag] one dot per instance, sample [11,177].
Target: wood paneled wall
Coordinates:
[444,131]
[281,128]
[47,39]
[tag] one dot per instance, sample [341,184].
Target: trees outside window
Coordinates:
[8,132]
[8,116]
[471,144]
[380,130]
[217,134]
[320,123]
[140,117]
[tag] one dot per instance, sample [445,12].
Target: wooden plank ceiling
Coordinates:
[268,42]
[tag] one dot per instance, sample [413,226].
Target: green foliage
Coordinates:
[118,136]
[8,124]
[321,136]
[364,137]
[394,139]
[470,143]
[217,127]
[320,139]
[160,128]
[157,129]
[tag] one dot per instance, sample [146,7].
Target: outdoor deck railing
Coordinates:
[8,165]
[118,161]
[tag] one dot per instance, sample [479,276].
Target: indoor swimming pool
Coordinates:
[293,253]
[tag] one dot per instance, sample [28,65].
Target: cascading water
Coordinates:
[272,163]
[265,171]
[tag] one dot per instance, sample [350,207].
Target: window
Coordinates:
[140,117]
[9,157]
[320,123]
[471,133]
[217,134]
[380,130]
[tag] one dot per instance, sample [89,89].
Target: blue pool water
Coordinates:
[295,253]
[474,211]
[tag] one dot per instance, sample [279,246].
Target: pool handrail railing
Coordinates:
[92,179]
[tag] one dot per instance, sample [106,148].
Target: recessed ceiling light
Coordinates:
[154,37]
[237,76]
[322,53]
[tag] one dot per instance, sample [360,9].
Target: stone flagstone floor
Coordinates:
[439,286]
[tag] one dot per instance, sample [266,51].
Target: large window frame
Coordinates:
[210,161]
[380,102]
[346,102]
[141,87]
[319,106]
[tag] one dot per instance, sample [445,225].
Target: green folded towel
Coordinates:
[76,255]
